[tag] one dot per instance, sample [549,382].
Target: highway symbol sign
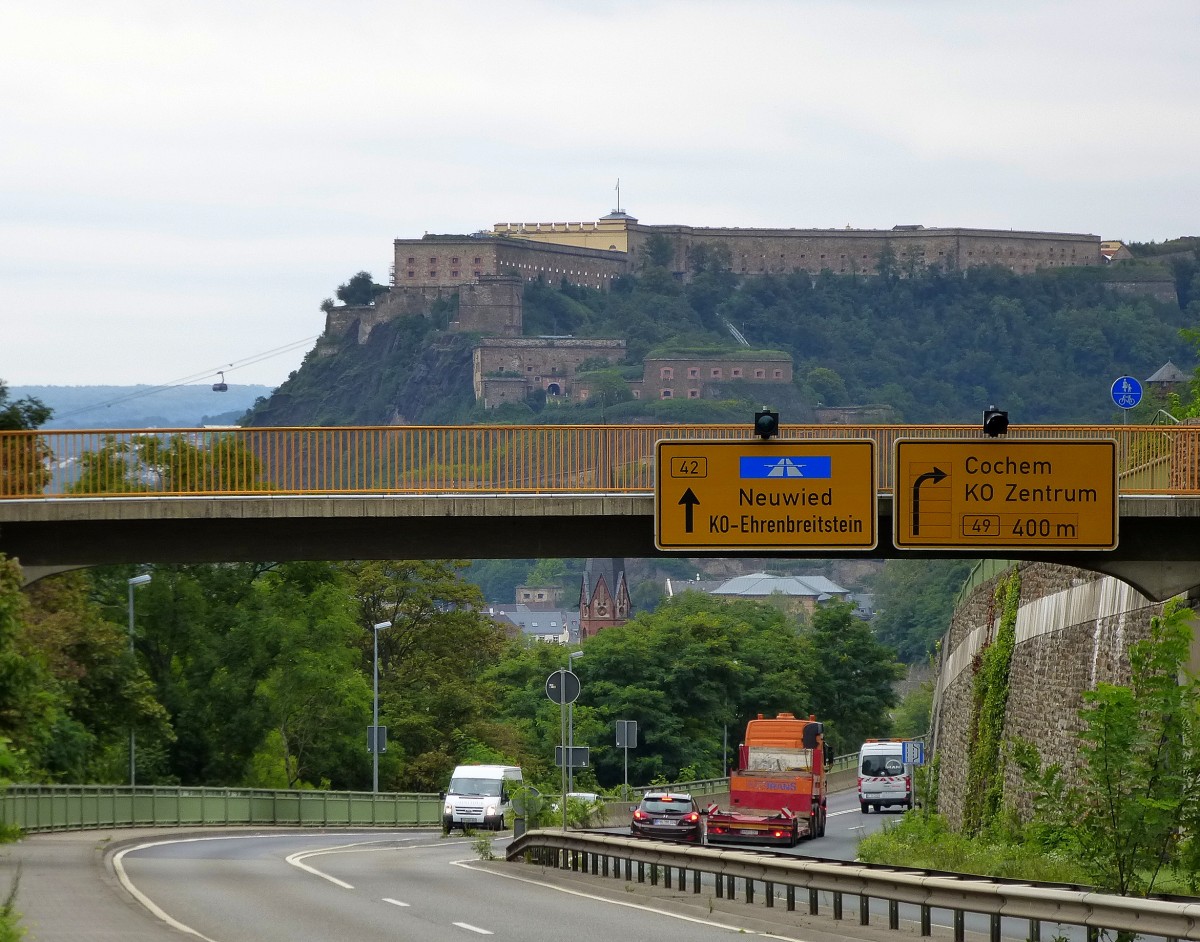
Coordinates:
[1014,494]
[1126,392]
[913,751]
[780,494]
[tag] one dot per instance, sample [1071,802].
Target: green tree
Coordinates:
[854,685]
[914,601]
[431,660]
[360,289]
[177,464]
[24,460]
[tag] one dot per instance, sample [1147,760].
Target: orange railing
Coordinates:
[474,459]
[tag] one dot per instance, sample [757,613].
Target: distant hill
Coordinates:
[934,347]
[142,406]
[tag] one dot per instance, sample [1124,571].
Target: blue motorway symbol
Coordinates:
[753,467]
[1126,392]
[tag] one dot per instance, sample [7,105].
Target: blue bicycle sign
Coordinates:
[1126,392]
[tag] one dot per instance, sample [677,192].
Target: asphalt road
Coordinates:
[243,885]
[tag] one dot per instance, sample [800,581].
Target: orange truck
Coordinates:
[777,793]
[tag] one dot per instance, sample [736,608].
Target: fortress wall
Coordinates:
[447,261]
[534,362]
[492,305]
[1074,629]
[851,251]
[590,268]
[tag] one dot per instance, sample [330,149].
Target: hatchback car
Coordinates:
[670,816]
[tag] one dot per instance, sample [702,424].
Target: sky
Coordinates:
[182,184]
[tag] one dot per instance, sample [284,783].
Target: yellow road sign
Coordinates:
[1024,494]
[765,495]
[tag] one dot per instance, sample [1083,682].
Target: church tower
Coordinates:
[603,596]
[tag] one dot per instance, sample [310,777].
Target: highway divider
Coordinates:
[627,858]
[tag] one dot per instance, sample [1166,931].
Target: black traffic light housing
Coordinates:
[766,423]
[995,421]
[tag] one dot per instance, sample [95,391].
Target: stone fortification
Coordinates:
[685,377]
[592,254]
[508,370]
[859,251]
[1074,629]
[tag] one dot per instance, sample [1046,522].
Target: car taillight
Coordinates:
[637,814]
[693,817]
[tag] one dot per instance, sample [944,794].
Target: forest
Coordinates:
[260,676]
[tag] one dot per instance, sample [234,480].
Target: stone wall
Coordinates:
[507,370]
[1074,629]
[857,251]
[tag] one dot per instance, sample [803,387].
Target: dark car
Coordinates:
[669,816]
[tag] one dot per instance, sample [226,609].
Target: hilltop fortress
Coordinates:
[486,270]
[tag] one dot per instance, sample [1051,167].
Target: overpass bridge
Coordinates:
[76,498]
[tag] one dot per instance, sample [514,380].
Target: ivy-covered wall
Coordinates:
[1019,654]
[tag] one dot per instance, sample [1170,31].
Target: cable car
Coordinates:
[222,386]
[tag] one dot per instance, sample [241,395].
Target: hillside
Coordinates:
[935,347]
[142,406]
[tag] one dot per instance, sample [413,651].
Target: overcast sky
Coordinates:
[182,183]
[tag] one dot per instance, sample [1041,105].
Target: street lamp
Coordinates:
[375,712]
[135,581]
[574,655]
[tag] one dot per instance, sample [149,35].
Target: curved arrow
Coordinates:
[936,476]
[689,500]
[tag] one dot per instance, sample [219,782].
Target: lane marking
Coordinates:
[124,879]
[395,902]
[471,928]
[362,847]
[471,865]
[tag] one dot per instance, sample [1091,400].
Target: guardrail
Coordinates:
[82,807]
[477,458]
[606,856]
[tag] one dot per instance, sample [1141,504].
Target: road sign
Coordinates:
[626,734]
[1012,494]
[914,752]
[1126,392]
[376,739]
[765,495]
[563,687]
[578,755]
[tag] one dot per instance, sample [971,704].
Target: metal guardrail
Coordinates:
[82,807]
[477,459]
[601,855]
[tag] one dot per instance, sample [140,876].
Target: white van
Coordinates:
[883,776]
[478,796]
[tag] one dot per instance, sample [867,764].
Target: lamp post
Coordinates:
[375,711]
[135,581]
[573,656]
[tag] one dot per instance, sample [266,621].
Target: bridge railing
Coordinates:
[35,808]
[912,896]
[558,459]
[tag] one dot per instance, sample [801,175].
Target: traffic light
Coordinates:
[995,421]
[766,423]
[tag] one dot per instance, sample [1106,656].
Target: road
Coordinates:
[397,884]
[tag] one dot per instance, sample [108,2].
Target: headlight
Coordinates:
[449,809]
[490,811]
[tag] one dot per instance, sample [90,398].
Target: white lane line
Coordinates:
[395,902]
[363,847]
[145,900]
[472,865]
[471,928]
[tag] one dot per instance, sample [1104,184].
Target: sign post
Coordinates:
[765,495]
[1008,494]
[562,687]
[626,739]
